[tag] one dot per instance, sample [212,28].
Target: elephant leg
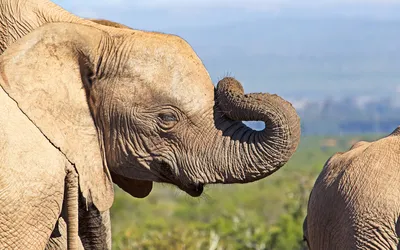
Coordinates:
[305,235]
[94,229]
[65,234]
[58,239]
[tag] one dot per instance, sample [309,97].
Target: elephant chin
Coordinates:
[164,172]
[193,189]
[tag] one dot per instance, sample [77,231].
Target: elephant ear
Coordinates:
[45,74]
[136,188]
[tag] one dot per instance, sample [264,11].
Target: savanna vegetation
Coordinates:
[267,214]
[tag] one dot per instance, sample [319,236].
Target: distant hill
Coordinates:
[350,116]
[357,115]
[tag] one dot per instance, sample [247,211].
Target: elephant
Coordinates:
[354,203]
[86,105]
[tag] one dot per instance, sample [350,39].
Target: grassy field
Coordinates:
[267,214]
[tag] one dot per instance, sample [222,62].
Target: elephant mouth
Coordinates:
[194,190]
[166,175]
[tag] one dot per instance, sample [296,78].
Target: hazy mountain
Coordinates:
[348,115]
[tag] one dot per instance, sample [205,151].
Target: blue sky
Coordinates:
[161,14]
[309,48]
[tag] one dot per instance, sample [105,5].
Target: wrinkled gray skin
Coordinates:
[355,202]
[108,102]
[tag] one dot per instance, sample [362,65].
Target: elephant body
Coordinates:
[355,202]
[32,190]
[88,104]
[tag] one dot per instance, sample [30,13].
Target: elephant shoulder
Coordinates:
[387,147]
[359,144]
[343,162]
[365,155]
[362,161]
[354,150]
[344,158]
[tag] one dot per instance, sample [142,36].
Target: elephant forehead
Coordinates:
[195,88]
[189,92]
[173,70]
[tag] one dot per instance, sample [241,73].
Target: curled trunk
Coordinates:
[252,155]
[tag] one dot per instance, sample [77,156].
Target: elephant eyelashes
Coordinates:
[168,120]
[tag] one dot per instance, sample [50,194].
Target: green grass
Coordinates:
[267,214]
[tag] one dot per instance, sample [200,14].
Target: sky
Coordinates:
[226,35]
[161,14]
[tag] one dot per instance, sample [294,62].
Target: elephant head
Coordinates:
[142,105]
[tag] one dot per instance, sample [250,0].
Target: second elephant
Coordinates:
[355,202]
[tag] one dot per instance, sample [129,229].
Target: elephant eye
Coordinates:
[168,117]
[168,120]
